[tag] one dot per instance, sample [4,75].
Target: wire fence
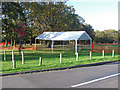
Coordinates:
[61,46]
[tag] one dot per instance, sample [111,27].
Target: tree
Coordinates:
[96,36]
[50,16]
[106,36]
[12,14]
[88,28]
[21,34]
[21,31]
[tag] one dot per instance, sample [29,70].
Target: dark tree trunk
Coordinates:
[14,42]
[25,42]
[11,42]
[30,41]
[20,46]
[6,43]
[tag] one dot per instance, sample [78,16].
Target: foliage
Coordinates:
[106,36]
[12,14]
[21,31]
[40,17]
[89,29]
[51,17]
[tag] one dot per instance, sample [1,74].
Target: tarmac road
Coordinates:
[67,78]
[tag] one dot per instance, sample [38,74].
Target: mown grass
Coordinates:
[50,60]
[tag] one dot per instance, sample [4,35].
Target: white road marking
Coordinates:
[95,80]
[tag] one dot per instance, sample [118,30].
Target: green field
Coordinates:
[50,60]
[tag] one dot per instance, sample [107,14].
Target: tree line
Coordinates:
[107,36]
[26,20]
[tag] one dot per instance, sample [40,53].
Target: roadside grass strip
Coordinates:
[50,60]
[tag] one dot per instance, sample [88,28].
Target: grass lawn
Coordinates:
[50,60]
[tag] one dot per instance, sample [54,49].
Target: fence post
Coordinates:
[60,57]
[113,53]
[76,56]
[103,53]
[40,62]
[4,55]
[90,55]
[12,55]
[14,64]
[23,62]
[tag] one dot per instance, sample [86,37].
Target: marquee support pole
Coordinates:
[76,46]
[52,45]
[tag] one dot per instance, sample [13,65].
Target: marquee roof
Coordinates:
[64,36]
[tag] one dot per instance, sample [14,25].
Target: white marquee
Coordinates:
[64,36]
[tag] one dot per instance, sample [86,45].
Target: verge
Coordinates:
[62,68]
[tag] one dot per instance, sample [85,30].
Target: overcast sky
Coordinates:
[101,14]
